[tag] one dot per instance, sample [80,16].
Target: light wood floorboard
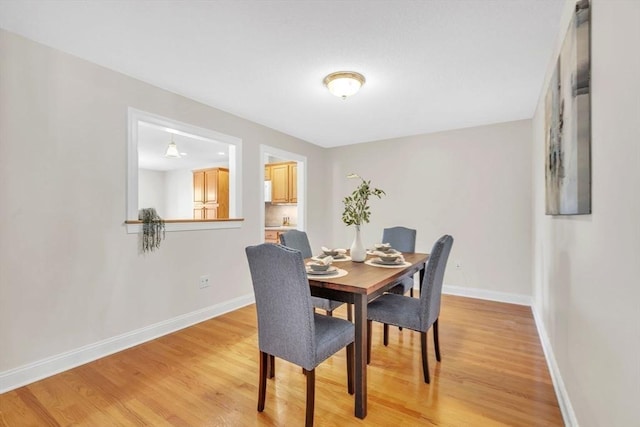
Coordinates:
[493,373]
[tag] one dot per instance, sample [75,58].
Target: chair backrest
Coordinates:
[296,239]
[400,238]
[431,291]
[286,328]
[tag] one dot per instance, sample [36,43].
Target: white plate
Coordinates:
[381,262]
[330,270]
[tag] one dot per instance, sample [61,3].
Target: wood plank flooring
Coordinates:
[493,373]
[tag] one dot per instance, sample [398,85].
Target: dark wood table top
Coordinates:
[362,284]
[367,279]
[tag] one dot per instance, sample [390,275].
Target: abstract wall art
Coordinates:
[568,122]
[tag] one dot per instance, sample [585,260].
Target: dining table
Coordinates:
[363,283]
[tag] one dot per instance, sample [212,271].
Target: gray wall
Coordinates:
[70,275]
[474,184]
[586,269]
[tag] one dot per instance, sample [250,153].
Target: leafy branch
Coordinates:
[356,206]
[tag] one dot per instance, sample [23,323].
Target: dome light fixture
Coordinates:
[344,83]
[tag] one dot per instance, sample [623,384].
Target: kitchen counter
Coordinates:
[280,227]
[272,234]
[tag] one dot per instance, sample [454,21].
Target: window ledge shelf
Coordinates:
[135,226]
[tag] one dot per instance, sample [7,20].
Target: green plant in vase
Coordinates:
[357,212]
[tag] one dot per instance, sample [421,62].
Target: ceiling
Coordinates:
[197,152]
[430,65]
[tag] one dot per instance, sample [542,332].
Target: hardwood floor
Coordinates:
[492,373]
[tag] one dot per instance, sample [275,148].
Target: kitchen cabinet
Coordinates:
[293,183]
[284,182]
[272,234]
[211,193]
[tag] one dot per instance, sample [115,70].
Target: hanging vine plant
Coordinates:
[152,229]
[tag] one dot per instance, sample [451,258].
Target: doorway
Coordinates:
[281,213]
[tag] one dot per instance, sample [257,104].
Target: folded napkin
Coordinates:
[340,251]
[382,245]
[380,253]
[322,261]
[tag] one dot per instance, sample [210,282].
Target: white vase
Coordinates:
[358,252]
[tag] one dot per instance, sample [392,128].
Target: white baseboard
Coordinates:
[32,372]
[564,402]
[488,295]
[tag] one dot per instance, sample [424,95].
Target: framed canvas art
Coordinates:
[568,122]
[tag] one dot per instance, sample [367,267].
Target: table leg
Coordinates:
[360,314]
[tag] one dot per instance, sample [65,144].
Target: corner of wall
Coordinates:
[564,402]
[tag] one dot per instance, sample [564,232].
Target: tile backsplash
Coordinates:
[273,214]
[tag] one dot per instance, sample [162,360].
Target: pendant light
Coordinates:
[172,150]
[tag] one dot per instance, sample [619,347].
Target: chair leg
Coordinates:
[369,341]
[311,390]
[272,367]
[425,362]
[436,342]
[262,383]
[411,292]
[350,360]
[349,312]
[385,335]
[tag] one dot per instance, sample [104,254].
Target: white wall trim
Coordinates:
[488,295]
[564,402]
[189,226]
[44,368]
[135,117]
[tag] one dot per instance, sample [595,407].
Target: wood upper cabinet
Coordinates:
[279,183]
[284,185]
[211,193]
[293,183]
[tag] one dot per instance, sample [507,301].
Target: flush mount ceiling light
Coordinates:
[344,83]
[172,150]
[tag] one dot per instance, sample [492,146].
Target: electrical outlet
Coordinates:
[458,264]
[204,281]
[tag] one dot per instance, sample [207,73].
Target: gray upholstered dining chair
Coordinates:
[417,314]
[287,326]
[404,240]
[296,239]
